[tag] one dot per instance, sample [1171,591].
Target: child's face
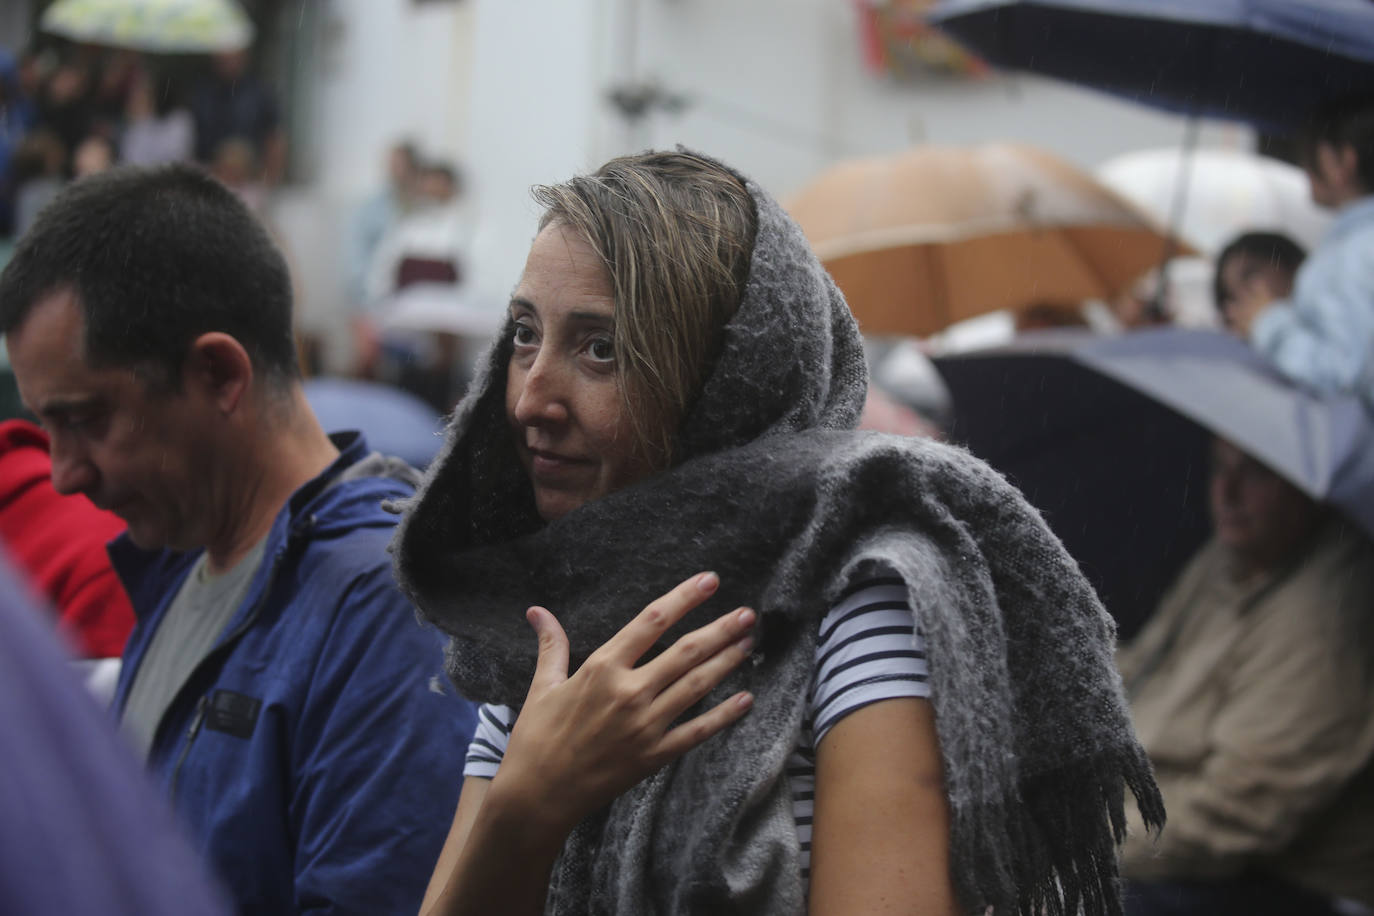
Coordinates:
[1240,272]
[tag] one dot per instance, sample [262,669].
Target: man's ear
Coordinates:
[218,366]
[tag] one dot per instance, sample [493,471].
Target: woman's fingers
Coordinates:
[635,638]
[694,731]
[684,690]
[551,668]
[696,648]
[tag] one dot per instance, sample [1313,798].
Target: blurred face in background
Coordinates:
[94,155]
[1333,174]
[1260,517]
[1240,272]
[436,187]
[230,65]
[400,168]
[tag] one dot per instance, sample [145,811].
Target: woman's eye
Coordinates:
[523,335]
[602,349]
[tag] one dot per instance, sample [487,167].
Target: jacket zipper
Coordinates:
[203,704]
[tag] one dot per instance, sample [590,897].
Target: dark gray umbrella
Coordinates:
[1322,445]
[1108,438]
[1269,62]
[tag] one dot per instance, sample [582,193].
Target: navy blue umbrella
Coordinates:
[1120,478]
[1266,62]
[1108,438]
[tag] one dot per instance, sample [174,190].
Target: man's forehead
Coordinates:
[55,321]
[47,355]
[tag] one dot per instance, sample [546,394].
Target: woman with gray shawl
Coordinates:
[675,391]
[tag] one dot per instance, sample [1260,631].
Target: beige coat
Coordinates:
[1255,702]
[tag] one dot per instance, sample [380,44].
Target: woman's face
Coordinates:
[563,398]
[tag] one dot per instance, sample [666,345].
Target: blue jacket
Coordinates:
[1324,335]
[317,753]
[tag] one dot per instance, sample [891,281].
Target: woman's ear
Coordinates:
[219,368]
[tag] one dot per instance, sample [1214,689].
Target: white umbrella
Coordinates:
[1228,192]
[155,26]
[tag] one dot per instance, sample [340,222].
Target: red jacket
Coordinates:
[59,541]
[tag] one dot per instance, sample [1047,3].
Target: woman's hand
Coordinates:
[581,741]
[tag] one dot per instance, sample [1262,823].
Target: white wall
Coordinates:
[783,91]
[390,69]
[536,117]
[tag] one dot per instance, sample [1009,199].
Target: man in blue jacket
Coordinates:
[276,681]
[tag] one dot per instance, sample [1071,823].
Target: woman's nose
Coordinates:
[542,397]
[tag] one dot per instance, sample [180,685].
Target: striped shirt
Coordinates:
[869,649]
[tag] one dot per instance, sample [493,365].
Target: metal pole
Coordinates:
[1177,210]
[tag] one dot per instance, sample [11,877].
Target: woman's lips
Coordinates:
[552,464]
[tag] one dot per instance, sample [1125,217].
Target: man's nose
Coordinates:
[72,473]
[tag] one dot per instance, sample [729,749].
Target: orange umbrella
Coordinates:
[920,240]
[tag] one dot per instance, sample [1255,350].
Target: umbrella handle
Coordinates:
[1158,309]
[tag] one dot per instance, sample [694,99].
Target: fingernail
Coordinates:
[745,700]
[747,616]
[708,581]
[746,644]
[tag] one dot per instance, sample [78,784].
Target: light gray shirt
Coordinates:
[198,614]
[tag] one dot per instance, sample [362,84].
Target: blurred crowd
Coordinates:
[70,110]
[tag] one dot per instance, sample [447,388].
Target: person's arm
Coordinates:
[880,839]
[581,741]
[1322,335]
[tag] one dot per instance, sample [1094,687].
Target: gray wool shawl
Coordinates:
[777,494]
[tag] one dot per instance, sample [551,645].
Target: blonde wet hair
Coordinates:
[675,232]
